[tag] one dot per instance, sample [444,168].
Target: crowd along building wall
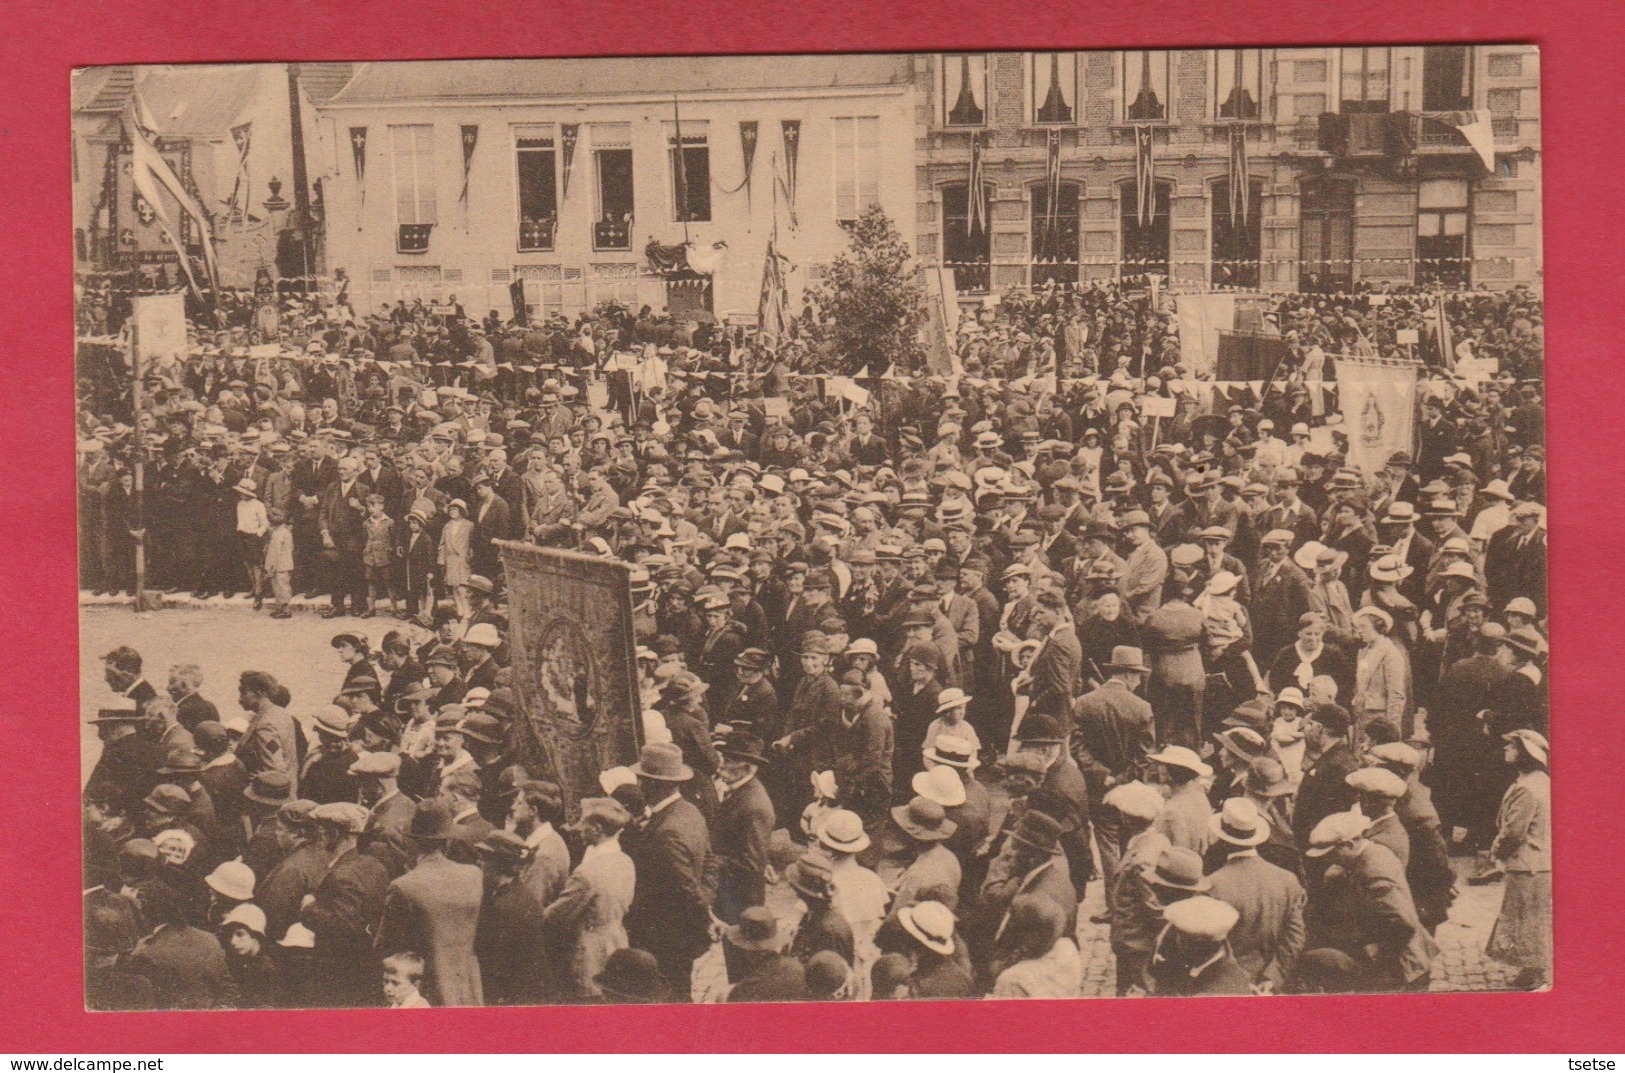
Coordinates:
[460,178]
[1358,168]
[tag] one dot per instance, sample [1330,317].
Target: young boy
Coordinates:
[378,555]
[402,974]
[279,562]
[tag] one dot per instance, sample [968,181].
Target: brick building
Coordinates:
[1356,166]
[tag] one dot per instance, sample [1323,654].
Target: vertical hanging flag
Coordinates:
[792,146]
[471,137]
[975,191]
[241,136]
[569,133]
[358,150]
[1446,338]
[1052,197]
[773,311]
[1145,177]
[679,166]
[1240,183]
[747,148]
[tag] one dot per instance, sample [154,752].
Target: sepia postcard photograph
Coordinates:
[812,528]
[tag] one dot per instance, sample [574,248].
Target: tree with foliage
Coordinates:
[869,307]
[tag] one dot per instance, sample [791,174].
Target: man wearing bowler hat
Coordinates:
[1113,731]
[676,873]
[743,827]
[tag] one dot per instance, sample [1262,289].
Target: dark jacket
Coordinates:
[676,881]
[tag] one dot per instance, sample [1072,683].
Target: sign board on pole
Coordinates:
[160,326]
[775,406]
[570,619]
[1407,337]
[1157,406]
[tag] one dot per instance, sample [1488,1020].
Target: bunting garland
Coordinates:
[568,134]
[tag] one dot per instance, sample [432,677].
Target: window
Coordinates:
[1144,82]
[1441,231]
[1238,83]
[544,288]
[1326,236]
[1052,87]
[1506,65]
[966,248]
[1145,247]
[1055,235]
[690,172]
[613,283]
[1238,245]
[1308,105]
[412,156]
[1365,79]
[612,160]
[1447,78]
[1309,70]
[538,187]
[857,166]
[964,90]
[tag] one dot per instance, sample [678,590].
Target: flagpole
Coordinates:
[302,222]
[681,171]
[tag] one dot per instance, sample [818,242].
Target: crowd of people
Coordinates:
[916,667]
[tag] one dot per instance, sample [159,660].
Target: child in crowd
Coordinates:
[279,562]
[378,555]
[402,974]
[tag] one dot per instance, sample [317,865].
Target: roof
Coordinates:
[321,80]
[571,79]
[102,89]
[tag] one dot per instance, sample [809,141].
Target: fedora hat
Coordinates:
[632,975]
[810,875]
[1391,568]
[663,762]
[1179,868]
[758,929]
[1128,658]
[431,822]
[842,830]
[924,820]
[743,745]
[1238,822]
[1266,777]
[1040,729]
[269,788]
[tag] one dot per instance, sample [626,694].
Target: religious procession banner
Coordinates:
[159,322]
[1378,402]
[575,679]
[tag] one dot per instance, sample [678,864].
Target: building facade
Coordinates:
[224,129]
[460,178]
[1357,166]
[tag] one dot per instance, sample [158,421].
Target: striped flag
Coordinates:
[150,171]
[1145,177]
[1239,180]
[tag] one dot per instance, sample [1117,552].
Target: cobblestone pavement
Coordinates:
[228,637]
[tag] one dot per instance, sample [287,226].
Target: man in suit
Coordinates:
[963,617]
[584,923]
[492,520]
[345,907]
[1113,731]
[676,874]
[389,812]
[509,939]
[1065,787]
[1282,597]
[758,966]
[1030,863]
[1269,934]
[744,825]
[1146,567]
[510,488]
[1057,668]
[1373,900]
[434,910]
[1328,761]
[341,519]
[1515,560]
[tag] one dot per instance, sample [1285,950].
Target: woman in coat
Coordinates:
[456,539]
[1522,935]
[583,923]
[1381,672]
